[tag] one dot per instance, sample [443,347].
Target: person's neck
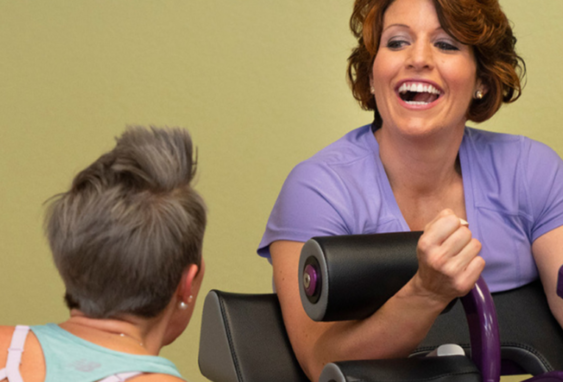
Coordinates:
[127,333]
[420,166]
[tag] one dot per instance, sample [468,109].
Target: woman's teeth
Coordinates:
[415,93]
[418,88]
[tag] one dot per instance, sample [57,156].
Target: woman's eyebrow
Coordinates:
[406,26]
[396,25]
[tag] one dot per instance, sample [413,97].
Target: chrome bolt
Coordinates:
[306,280]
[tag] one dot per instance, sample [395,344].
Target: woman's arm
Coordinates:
[449,266]
[548,254]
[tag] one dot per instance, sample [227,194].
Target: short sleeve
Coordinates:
[544,175]
[311,203]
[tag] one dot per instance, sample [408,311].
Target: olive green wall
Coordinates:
[260,85]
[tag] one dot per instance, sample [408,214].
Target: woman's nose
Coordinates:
[421,56]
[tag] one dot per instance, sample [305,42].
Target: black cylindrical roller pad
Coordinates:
[350,277]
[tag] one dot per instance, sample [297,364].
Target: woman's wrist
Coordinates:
[415,292]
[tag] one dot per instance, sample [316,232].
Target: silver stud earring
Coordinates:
[372,90]
[479,94]
[183,305]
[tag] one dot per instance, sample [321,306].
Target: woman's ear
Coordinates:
[189,283]
[481,86]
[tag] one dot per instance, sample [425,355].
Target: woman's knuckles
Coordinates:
[462,286]
[476,245]
[447,212]
[435,262]
[425,244]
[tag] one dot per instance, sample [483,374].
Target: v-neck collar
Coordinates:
[387,191]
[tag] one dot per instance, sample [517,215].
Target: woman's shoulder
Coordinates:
[485,138]
[33,365]
[514,174]
[339,160]
[354,145]
[6,333]
[506,148]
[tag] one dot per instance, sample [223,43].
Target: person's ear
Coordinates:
[187,284]
[371,87]
[481,89]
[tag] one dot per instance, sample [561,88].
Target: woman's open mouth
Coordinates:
[418,93]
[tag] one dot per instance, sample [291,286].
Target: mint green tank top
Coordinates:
[70,358]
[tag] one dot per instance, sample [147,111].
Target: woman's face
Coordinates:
[423,78]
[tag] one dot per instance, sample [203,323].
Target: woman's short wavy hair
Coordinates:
[480,24]
[130,224]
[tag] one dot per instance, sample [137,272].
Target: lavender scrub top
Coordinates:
[513,194]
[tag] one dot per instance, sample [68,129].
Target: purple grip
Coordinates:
[560,283]
[310,278]
[483,330]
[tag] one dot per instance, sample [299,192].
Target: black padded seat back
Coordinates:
[425,369]
[243,339]
[531,338]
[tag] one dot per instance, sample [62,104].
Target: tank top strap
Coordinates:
[12,370]
[121,377]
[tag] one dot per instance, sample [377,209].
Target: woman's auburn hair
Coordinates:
[480,24]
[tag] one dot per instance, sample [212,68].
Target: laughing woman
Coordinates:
[425,67]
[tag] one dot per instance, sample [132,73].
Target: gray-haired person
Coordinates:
[126,239]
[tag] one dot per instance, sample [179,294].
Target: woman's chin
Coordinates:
[422,126]
[414,128]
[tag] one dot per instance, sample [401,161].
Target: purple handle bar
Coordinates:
[560,283]
[483,330]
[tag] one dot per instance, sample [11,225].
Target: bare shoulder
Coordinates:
[6,333]
[154,377]
[5,339]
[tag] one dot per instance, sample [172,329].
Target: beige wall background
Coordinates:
[259,84]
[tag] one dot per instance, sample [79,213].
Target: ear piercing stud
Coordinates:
[183,305]
[479,94]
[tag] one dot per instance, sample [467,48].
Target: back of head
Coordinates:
[130,224]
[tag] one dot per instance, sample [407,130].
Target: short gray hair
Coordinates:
[129,225]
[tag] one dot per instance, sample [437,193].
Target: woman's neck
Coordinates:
[420,165]
[128,334]
[424,174]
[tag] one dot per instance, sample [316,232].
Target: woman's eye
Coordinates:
[396,44]
[446,46]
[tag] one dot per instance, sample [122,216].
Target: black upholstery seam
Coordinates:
[426,379]
[230,339]
[532,350]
